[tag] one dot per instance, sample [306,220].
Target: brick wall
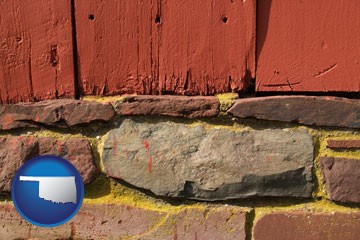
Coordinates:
[176,167]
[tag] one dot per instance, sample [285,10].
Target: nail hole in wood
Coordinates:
[225,19]
[157,20]
[91,17]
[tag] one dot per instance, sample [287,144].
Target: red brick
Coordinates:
[308,46]
[343,144]
[13,226]
[117,221]
[120,221]
[176,106]
[308,226]
[225,223]
[111,221]
[76,150]
[308,110]
[342,178]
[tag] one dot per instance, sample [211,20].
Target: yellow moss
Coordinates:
[233,127]
[57,135]
[226,100]
[354,154]
[343,154]
[105,190]
[337,135]
[320,141]
[105,99]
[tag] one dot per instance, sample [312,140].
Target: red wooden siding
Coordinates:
[36,54]
[114,40]
[306,45]
[186,47]
[156,47]
[206,46]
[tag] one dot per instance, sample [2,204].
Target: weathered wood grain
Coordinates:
[165,47]
[36,54]
[206,47]
[114,40]
[308,46]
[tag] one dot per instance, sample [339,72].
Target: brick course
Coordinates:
[343,144]
[308,226]
[117,221]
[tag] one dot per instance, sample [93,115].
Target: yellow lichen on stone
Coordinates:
[104,191]
[226,100]
[340,153]
[105,99]
[57,135]
[320,150]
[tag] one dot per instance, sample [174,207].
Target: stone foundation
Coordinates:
[176,167]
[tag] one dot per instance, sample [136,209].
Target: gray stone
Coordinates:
[308,110]
[57,113]
[179,160]
[175,106]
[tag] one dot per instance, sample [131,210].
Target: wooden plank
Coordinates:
[206,47]
[114,41]
[306,45]
[163,47]
[36,54]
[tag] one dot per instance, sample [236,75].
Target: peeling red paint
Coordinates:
[147,147]
[150,164]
